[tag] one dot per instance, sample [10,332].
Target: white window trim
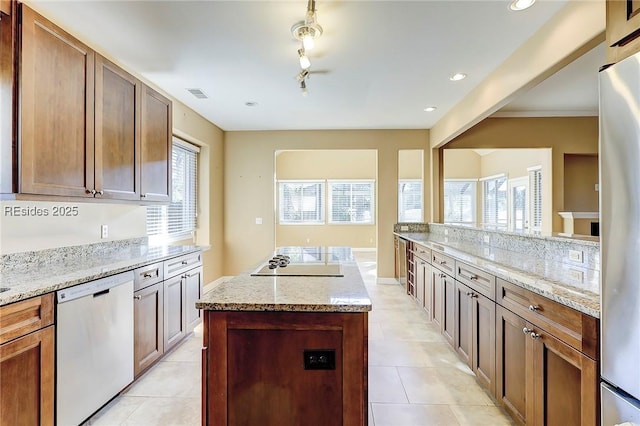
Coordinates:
[324,196]
[351,181]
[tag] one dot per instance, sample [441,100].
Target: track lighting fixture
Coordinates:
[305,63]
[306,31]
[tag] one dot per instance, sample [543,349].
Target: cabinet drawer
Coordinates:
[178,265]
[26,316]
[443,262]
[147,275]
[476,279]
[573,327]
[422,252]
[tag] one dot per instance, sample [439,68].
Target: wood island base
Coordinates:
[254,373]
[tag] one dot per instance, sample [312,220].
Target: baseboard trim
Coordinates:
[215,283]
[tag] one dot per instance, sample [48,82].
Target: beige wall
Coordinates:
[249,188]
[580,178]
[410,164]
[326,164]
[564,135]
[461,164]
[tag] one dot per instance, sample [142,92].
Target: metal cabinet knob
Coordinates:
[143,195]
[443,262]
[184,262]
[147,275]
[92,191]
[100,192]
[473,277]
[138,297]
[535,336]
[527,330]
[534,308]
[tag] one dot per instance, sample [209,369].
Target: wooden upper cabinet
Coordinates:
[623,29]
[56,110]
[156,128]
[117,132]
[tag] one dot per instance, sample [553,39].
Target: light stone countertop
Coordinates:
[30,274]
[292,294]
[551,278]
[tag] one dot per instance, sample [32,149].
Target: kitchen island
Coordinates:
[287,350]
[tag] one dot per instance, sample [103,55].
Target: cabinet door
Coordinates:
[193,283]
[514,366]
[449,309]
[463,322]
[437,310]
[155,172]
[148,327]
[565,384]
[7,123]
[117,132]
[27,377]
[418,266]
[428,289]
[174,312]
[484,341]
[56,110]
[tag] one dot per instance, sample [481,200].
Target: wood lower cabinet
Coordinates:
[27,366]
[449,309]
[475,327]
[254,369]
[148,308]
[193,291]
[175,328]
[437,309]
[540,379]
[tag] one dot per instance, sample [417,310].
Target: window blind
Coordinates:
[494,202]
[535,201]
[460,201]
[351,202]
[178,219]
[409,201]
[301,202]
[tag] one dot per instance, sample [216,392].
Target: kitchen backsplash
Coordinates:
[582,253]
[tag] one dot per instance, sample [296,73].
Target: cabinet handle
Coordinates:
[535,336]
[101,192]
[184,262]
[137,297]
[473,295]
[143,195]
[91,191]
[189,275]
[442,275]
[443,262]
[534,308]
[527,330]
[147,275]
[473,277]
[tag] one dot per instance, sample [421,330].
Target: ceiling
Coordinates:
[377,65]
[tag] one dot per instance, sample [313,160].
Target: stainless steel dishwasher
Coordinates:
[94,348]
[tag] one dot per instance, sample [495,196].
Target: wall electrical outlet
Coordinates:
[258,221]
[404,228]
[576,255]
[576,275]
[104,231]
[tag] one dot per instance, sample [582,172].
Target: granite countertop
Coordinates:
[567,284]
[293,293]
[35,273]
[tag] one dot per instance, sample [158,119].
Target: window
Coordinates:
[460,201]
[351,202]
[410,201]
[494,201]
[178,219]
[535,197]
[301,202]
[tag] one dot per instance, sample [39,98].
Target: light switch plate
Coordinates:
[404,228]
[104,231]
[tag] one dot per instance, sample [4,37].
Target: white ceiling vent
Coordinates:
[198,93]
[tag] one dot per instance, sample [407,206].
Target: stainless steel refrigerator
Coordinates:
[620,241]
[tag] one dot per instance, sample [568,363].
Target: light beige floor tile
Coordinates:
[116,412]
[413,415]
[166,412]
[411,354]
[169,379]
[456,386]
[375,331]
[385,385]
[481,416]
[189,351]
[415,331]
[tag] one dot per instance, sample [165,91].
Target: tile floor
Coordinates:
[415,378]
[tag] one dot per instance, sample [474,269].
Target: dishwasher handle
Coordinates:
[94,288]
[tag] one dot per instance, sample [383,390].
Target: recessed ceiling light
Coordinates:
[521,4]
[430,109]
[457,77]
[251,104]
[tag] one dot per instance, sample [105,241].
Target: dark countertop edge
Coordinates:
[570,302]
[105,272]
